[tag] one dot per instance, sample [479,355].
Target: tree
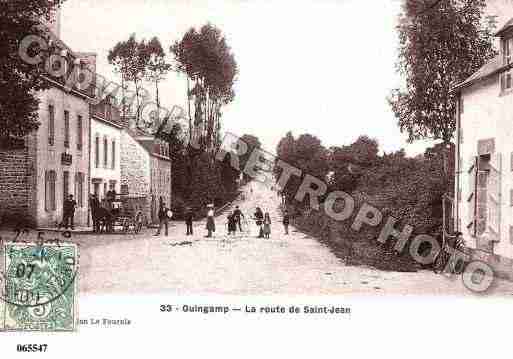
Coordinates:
[130,59]
[19,80]
[210,68]
[305,153]
[156,66]
[442,42]
[348,162]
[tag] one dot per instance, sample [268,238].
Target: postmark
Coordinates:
[39,286]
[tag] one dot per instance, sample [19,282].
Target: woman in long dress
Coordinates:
[267,225]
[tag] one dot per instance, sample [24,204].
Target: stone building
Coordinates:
[484,151]
[52,162]
[145,169]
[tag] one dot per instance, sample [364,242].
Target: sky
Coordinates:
[323,67]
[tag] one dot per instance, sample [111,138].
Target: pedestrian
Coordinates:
[165,215]
[232,223]
[267,225]
[259,217]
[238,217]
[189,216]
[211,225]
[68,214]
[286,221]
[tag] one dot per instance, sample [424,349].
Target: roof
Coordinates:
[492,67]
[506,27]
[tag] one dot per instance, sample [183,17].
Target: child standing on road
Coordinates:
[267,225]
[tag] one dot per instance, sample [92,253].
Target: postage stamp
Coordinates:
[39,287]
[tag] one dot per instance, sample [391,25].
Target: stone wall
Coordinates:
[160,183]
[135,169]
[17,184]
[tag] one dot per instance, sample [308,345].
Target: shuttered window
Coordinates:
[105,152]
[97,152]
[494,195]
[113,164]
[50,179]
[51,125]
[79,189]
[79,133]
[66,129]
[65,185]
[471,198]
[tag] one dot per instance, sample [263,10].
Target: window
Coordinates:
[79,133]
[97,152]
[65,185]
[50,178]
[124,189]
[105,152]
[506,81]
[79,189]
[113,164]
[507,48]
[51,125]
[66,129]
[104,189]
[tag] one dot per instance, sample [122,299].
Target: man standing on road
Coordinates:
[211,226]
[189,216]
[238,217]
[68,214]
[164,215]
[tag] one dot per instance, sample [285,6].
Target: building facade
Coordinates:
[484,152]
[106,131]
[160,188]
[145,169]
[135,170]
[62,156]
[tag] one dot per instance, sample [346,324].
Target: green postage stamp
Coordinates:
[39,287]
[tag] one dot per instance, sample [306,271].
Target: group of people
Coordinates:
[234,221]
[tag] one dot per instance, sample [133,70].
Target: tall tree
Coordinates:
[442,42]
[19,80]
[130,58]
[210,68]
[156,66]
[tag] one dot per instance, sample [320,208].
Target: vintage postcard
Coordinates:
[321,166]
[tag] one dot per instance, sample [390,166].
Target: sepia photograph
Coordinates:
[236,171]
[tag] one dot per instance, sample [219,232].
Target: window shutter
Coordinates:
[471,198]
[494,195]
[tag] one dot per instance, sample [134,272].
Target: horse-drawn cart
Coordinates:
[124,213]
